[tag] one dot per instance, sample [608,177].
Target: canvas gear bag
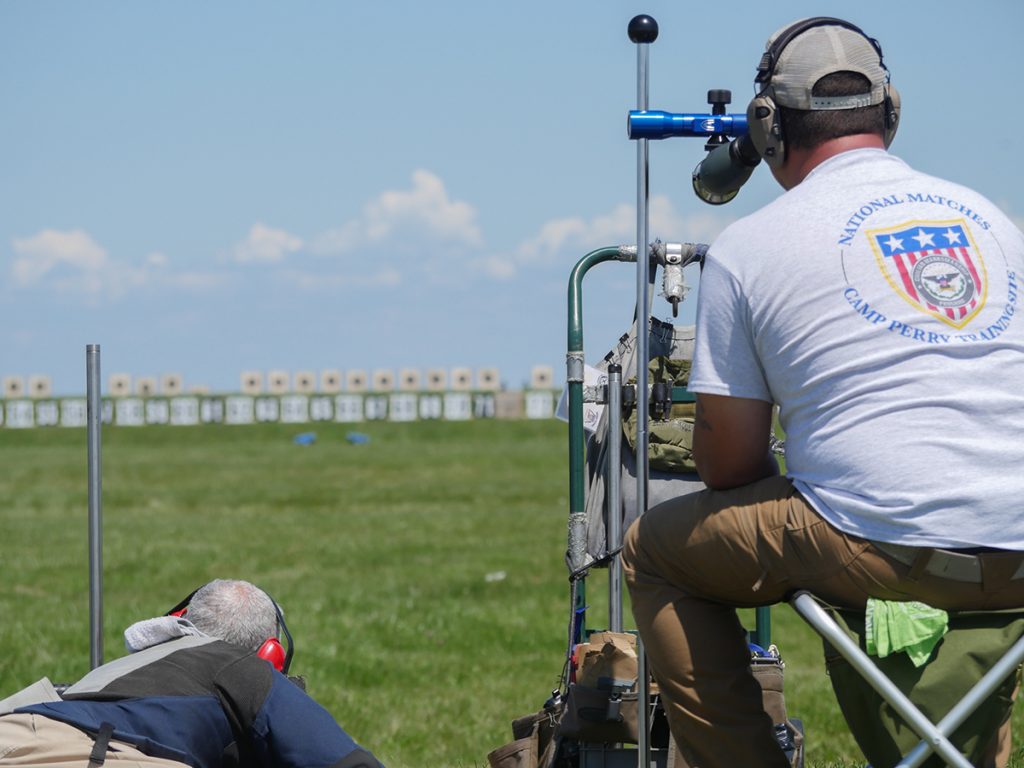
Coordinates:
[534,743]
[600,715]
[583,714]
[665,340]
[769,671]
[974,642]
[601,705]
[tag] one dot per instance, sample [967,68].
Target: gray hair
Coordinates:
[234,611]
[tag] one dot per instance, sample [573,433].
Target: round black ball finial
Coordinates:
[643,29]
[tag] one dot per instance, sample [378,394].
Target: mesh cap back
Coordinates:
[820,51]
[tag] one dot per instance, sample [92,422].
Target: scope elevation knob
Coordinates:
[719,96]
[643,29]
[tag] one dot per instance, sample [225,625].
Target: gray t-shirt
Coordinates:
[878,307]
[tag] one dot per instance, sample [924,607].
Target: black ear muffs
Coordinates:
[763,121]
[765,129]
[272,650]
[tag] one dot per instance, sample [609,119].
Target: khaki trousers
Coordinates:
[31,740]
[691,561]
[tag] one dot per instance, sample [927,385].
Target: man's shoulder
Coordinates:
[742,240]
[159,666]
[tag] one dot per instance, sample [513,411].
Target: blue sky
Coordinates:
[210,187]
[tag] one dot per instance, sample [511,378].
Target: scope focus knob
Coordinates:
[643,29]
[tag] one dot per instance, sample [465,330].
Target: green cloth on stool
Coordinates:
[892,626]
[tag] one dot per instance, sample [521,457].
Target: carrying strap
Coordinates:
[99,750]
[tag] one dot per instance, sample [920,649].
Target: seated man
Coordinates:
[194,693]
[876,306]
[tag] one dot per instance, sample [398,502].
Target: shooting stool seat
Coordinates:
[1005,630]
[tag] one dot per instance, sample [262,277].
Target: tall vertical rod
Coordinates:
[94,420]
[643,266]
[613,482]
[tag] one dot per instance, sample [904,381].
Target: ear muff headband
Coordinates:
[770,59]
[271,650]
[289,648]
[892,113]
[763,120]
[182,607]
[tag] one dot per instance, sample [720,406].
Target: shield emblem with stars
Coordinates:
[934,265]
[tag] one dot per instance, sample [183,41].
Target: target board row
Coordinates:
[189,410]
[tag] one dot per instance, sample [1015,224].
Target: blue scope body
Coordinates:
[657,124]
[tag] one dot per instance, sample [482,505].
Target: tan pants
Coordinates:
[690,562]
[30,740]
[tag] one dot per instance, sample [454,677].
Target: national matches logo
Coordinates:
[934,265]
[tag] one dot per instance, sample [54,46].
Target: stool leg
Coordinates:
[971,700]
[932,737]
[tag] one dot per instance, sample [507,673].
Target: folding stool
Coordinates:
[934,736]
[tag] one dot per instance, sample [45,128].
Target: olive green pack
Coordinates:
[669,441]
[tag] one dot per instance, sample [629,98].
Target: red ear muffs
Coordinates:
[273,651]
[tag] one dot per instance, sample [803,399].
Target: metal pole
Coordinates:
[94,420]
[643,30]
[613,484]
[643,268]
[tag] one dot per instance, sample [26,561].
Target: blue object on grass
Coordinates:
[305,438]
[357,438]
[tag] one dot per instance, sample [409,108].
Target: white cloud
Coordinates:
[388,277]
[552,238]
[559,240]
[196,282]
[427,205]
[497,267]
[40,254]
[73,264]
[266,245]
[700,227]
[424,211]
[428,235]
[344,238]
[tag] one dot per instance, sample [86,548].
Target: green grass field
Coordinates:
[422,573]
